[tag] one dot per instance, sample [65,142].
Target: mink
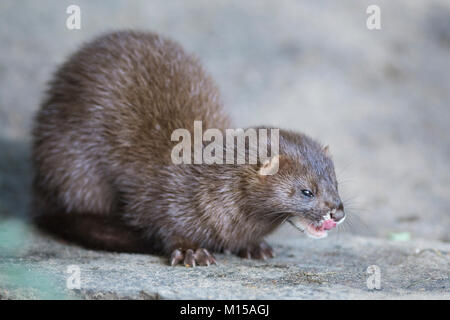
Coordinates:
[104,176]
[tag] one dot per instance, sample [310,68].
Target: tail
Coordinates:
[95,232]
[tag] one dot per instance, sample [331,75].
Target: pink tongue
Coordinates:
[328,224]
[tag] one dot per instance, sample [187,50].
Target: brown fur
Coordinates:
[103,172]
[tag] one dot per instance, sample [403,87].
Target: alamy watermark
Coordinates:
[74,279]
[374,280]
[73,21]
[373,21]
[252,144]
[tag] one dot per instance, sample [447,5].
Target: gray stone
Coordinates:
[333,268]
[379,98]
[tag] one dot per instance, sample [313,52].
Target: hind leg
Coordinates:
[74,200]
[67,172]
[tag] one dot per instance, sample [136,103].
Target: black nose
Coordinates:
[339,214]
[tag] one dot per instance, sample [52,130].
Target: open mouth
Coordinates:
[312,229]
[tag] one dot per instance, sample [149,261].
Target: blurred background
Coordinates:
[379,98]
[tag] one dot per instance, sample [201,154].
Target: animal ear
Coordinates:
[326,149]
[270,166]
[273,165]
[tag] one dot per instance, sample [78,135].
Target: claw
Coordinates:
[191,258]
[176,257]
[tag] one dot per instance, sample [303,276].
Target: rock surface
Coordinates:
[335,268]
[380,99]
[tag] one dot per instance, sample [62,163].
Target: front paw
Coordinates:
[258,251]
[191,258]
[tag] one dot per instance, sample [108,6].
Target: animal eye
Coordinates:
[307,193]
